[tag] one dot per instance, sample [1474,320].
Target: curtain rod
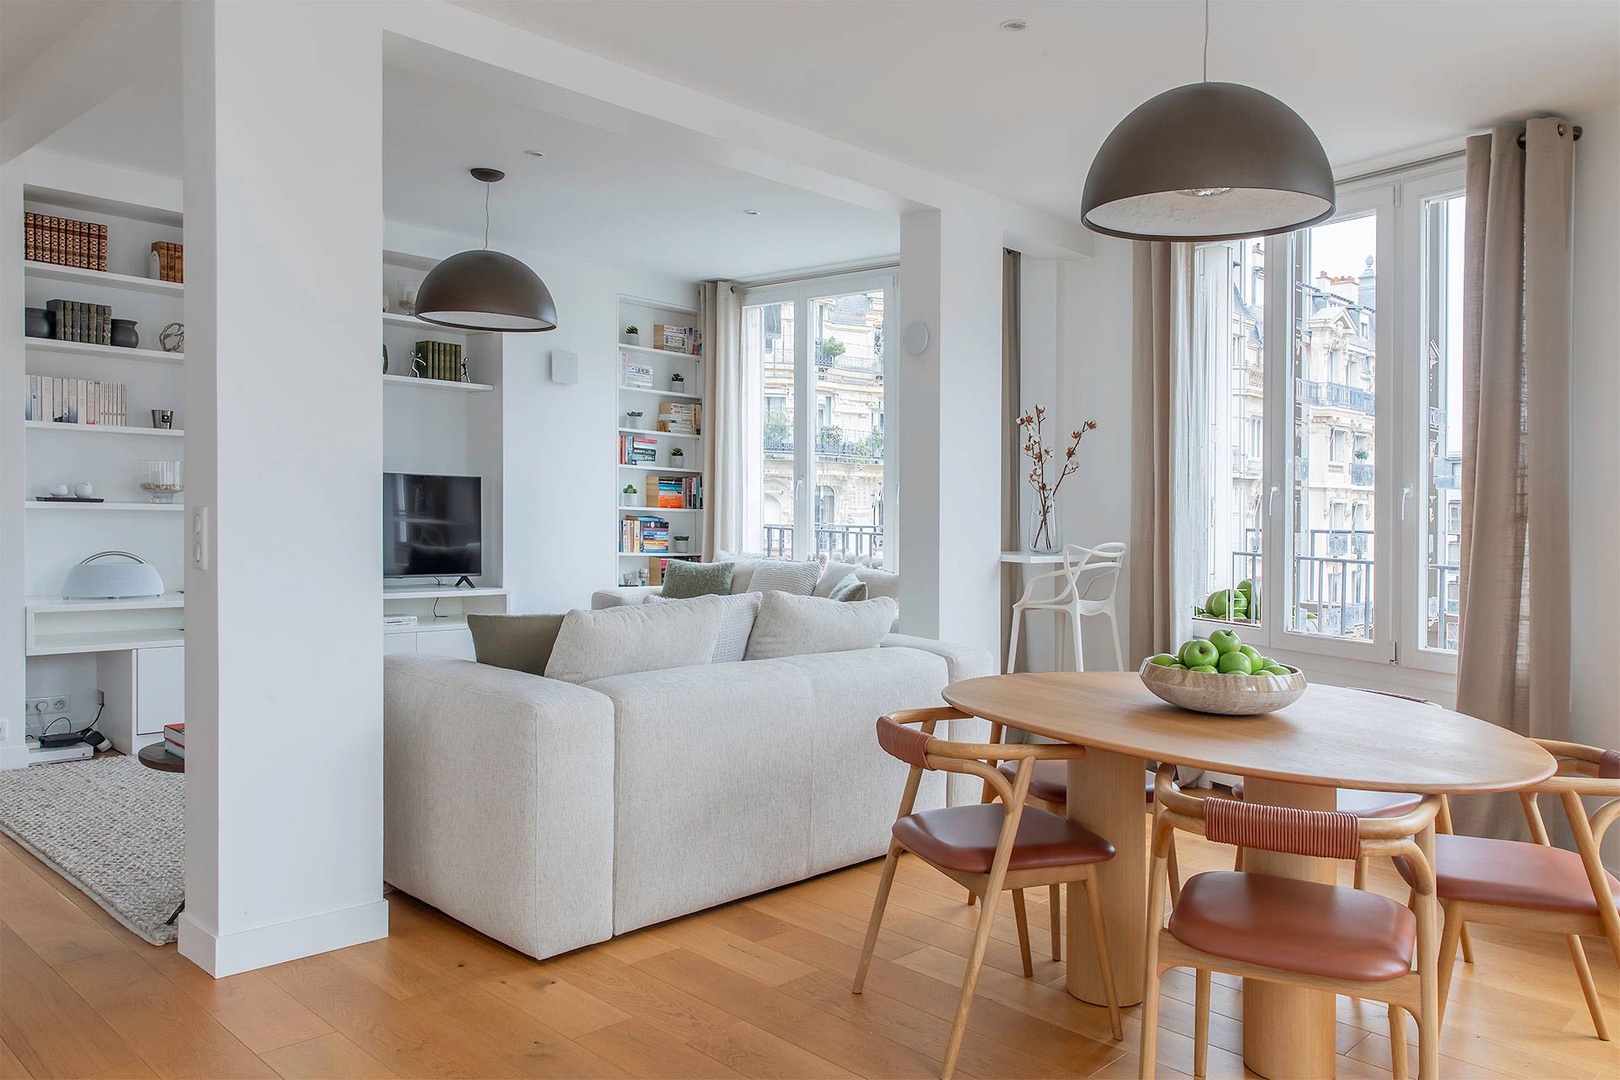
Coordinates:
[1421,162]
[811,275]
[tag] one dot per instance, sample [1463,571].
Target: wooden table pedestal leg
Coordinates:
[1288,1031]
[1105,795]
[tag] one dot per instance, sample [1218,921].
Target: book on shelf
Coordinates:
[636,373]
[174,739]
[75,401]
[679,339]
[440,360]
[64,241]
[637,450]
[643,533]
[680,417]
[168,261]
[77,321]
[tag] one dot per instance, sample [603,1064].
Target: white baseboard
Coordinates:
[14,757]
[263,946]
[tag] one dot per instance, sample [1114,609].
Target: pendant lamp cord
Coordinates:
[486,207]
[1206,44]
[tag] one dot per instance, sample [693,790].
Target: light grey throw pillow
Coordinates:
[850,590]
[643,637]
[797,625]
[780,575]
[737,616]
[833,576]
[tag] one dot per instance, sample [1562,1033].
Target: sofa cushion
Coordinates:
[780,575]
[645,637]
[851,589]
[833,576]
[518,642]
[737,616]
[797,625]
[683,580]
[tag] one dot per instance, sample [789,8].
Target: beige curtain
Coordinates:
[1161,299]
[1514,624]
[733,471]
[1012,471]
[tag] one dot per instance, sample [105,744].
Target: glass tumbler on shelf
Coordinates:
[162,480]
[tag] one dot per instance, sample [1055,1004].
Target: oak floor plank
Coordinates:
[643,1050]
[564,1007]
[742,955]
[55,928]
[74,895]
[754,1052]
[171,1032]
[50,1028]
[517,1044]
[835,925]
[322,1058]
[10,1064]
[641,995]
[251,1007]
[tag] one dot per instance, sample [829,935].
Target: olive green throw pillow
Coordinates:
[519,642]
[850,589]
[685,580]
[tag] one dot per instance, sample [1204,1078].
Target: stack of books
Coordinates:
[174,739]
[678,493]
[637,450]
[76,401]
[440,360]
[681,339]
[168,262]
[78,321]
[64,242]
[636,374]
[644,533]
[680,417]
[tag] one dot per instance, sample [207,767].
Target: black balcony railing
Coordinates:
[1332,596]
[1361,473]
[1336,395]
[831,445]
[845,542]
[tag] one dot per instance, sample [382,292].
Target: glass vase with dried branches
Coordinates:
[1044,530]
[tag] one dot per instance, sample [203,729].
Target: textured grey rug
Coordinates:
[112,827]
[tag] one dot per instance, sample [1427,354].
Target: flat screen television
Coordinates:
[432,525]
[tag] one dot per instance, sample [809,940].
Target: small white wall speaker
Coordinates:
[564,367]
[914,338]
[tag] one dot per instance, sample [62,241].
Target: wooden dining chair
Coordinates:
[987,848]
[1535,885]
[1280,929]
[1049,789]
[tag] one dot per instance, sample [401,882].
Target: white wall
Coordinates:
[283,690]
[1595,441]
[559,482]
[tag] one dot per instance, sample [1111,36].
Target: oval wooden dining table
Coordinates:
[1330,738]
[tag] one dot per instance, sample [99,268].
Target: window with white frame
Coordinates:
[1347,468]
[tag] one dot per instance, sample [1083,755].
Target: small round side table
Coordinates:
[155,756]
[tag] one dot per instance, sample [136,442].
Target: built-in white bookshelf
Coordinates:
[70,647]
[660,368]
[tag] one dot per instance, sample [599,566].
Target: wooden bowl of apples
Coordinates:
[1224,678]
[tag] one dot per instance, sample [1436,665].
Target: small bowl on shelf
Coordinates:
[1222,695]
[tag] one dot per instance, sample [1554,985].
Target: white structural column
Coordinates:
[283,242]
[13,751]
[949,440]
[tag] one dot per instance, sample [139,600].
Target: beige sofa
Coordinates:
[550,816]
[878,583]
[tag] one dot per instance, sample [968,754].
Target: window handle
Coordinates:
[1406,493]
[1271,501]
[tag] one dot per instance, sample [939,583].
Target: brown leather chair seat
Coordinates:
[1050,784]
[1300,926]
[1511,873]
[1366,804]
[964,838]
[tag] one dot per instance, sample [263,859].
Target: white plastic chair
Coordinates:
[1085,586]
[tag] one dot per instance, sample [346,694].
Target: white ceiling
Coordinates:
[29,27]
[938,85]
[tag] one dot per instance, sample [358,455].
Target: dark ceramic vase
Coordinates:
[38,322]
[124,334]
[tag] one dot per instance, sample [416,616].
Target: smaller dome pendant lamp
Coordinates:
[1208,161]
[484,289]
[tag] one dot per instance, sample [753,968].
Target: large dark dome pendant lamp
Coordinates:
[1208,161]
[484,289]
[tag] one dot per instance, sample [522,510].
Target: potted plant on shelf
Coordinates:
[1045,528]
[632,419]
[677,458]
[629,489]
[681,544]
[632,335]
[677,383]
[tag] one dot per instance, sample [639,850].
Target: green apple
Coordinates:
[1198,652]
[1225,641]
[1218,603]
[1276,669]
[1165,659]
[1255,659]
[1246,587]
[1208,669]
[1234,663]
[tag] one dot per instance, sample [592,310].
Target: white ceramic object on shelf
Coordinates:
[1222,695]
[84,489]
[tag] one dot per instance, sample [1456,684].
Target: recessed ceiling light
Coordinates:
[535,153]
[1012,26]
[752,213]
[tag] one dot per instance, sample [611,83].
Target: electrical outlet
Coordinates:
[53,705]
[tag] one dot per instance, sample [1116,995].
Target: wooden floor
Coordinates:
[757,988]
